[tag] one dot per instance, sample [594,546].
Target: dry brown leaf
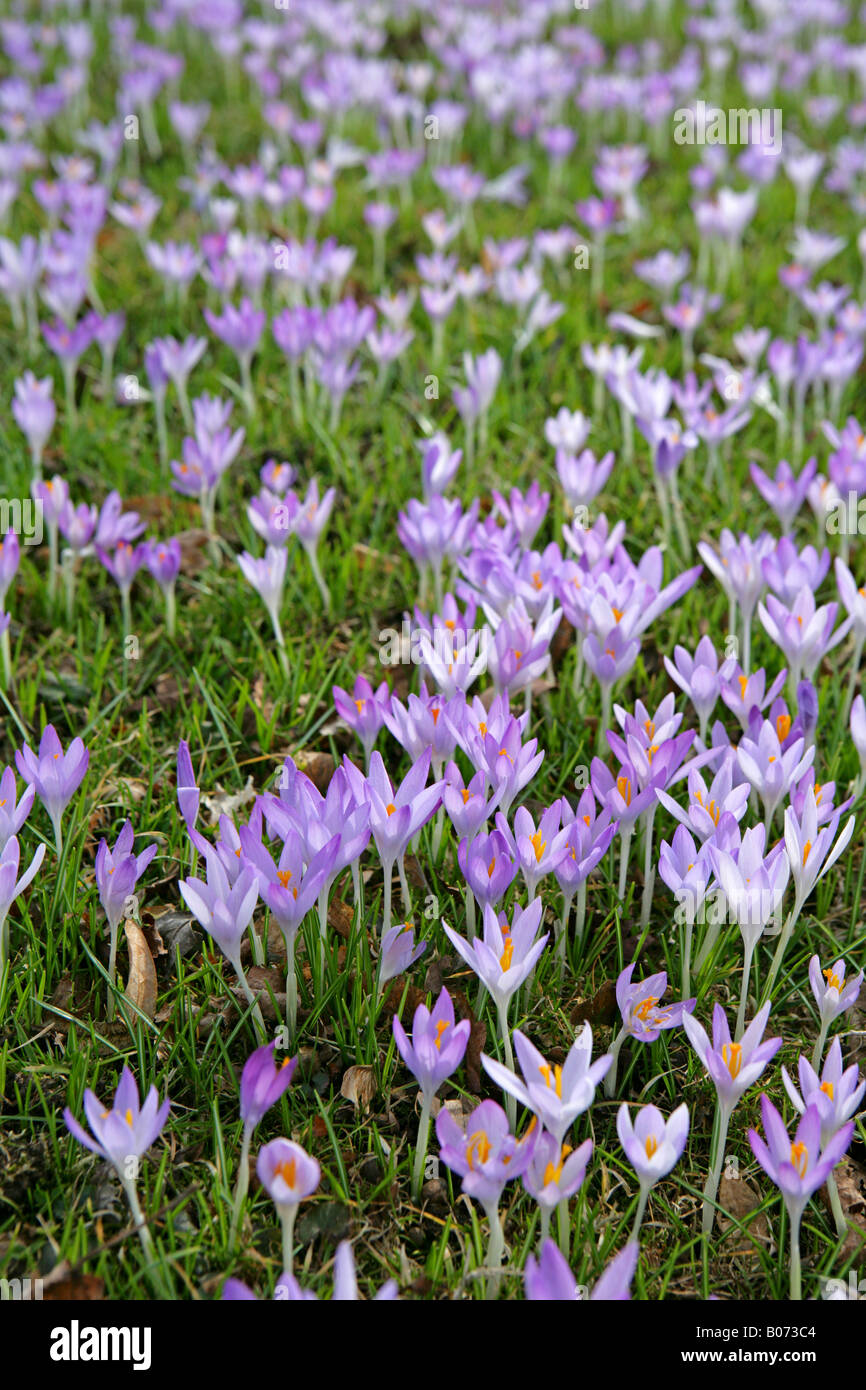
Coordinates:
[319,767]
[141,985]
[359,1086]
[80,1288]
[224,803]
[739,1199]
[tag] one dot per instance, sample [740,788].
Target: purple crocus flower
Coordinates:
[188,794]
[797,1168]
[488,867]
[262,1083]
[117,872]
[833,993]
[486,1155]
[653,1146]
[163,560]
[398,952]
[803,632]
[35,413]
[732,1067]
[225,911]
[437,1048]
[643,1016]
[268,576]
[55,775]
[700,677]
[837,1092]
[396,816]
[240,329]
[124,1132]
[549,1279]
[540,851]
[288,1174]
[769,770]
[556,1094]
[555,1172]
[13,813]
[784,492]
[11,886]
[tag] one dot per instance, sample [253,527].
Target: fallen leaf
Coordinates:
[600,1009]
[141,985]
[319,767]
[359,1086]
[340,917]
[79,1288]
[740,1200]
[224,803]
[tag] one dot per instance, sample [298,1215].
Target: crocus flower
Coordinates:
[35,413]
[55,775]
[225,911]
[802,631]
[538,852]
[117,872]
[733,1067]
[833,994]
[261,1087]
[437,1048]
[753,885]
[122,1135]
[163,560]
[188,794]
[555,1172]
[288,1290]
[267,577]
[549,1279]
[13,813]
[771,771]
[396,816]
[486,1155]
[653,1146]
[364,711]
[308,523]
[398,952]
[288,1174]
[642,1018]
[503,959]
[857,724]
[11,886]
[798,1169]
[811,853]
[556,1095]
[837,1092]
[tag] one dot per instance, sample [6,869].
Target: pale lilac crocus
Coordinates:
[308,523]
[486,1156]
[797,1168]
[262,1084]
[549,1279]
[163,560]
[288,1174]
[732,1067]
[857,725]
[555,1173]
[121,1136]
[398,953]
[11,886]
[769,770]
[268,576]
[396,816]
[55,775]
[812,852]
[117,872]
[834,995]
[13,812]
[225,911]
[364,711]
[556,1094]
[503,958]
[35,412]
[435,1052]
[753,884]
[653,1146]
[854,599]
[837,1094]
[643,1015]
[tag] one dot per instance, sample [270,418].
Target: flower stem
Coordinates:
[287,1217]
[504,1033]
[796,1293]
[495,1249]
[610,1079]
[819,1045]
[241,1186]
[639,1214]
[421,1146]
[744,993]
[714,1176]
